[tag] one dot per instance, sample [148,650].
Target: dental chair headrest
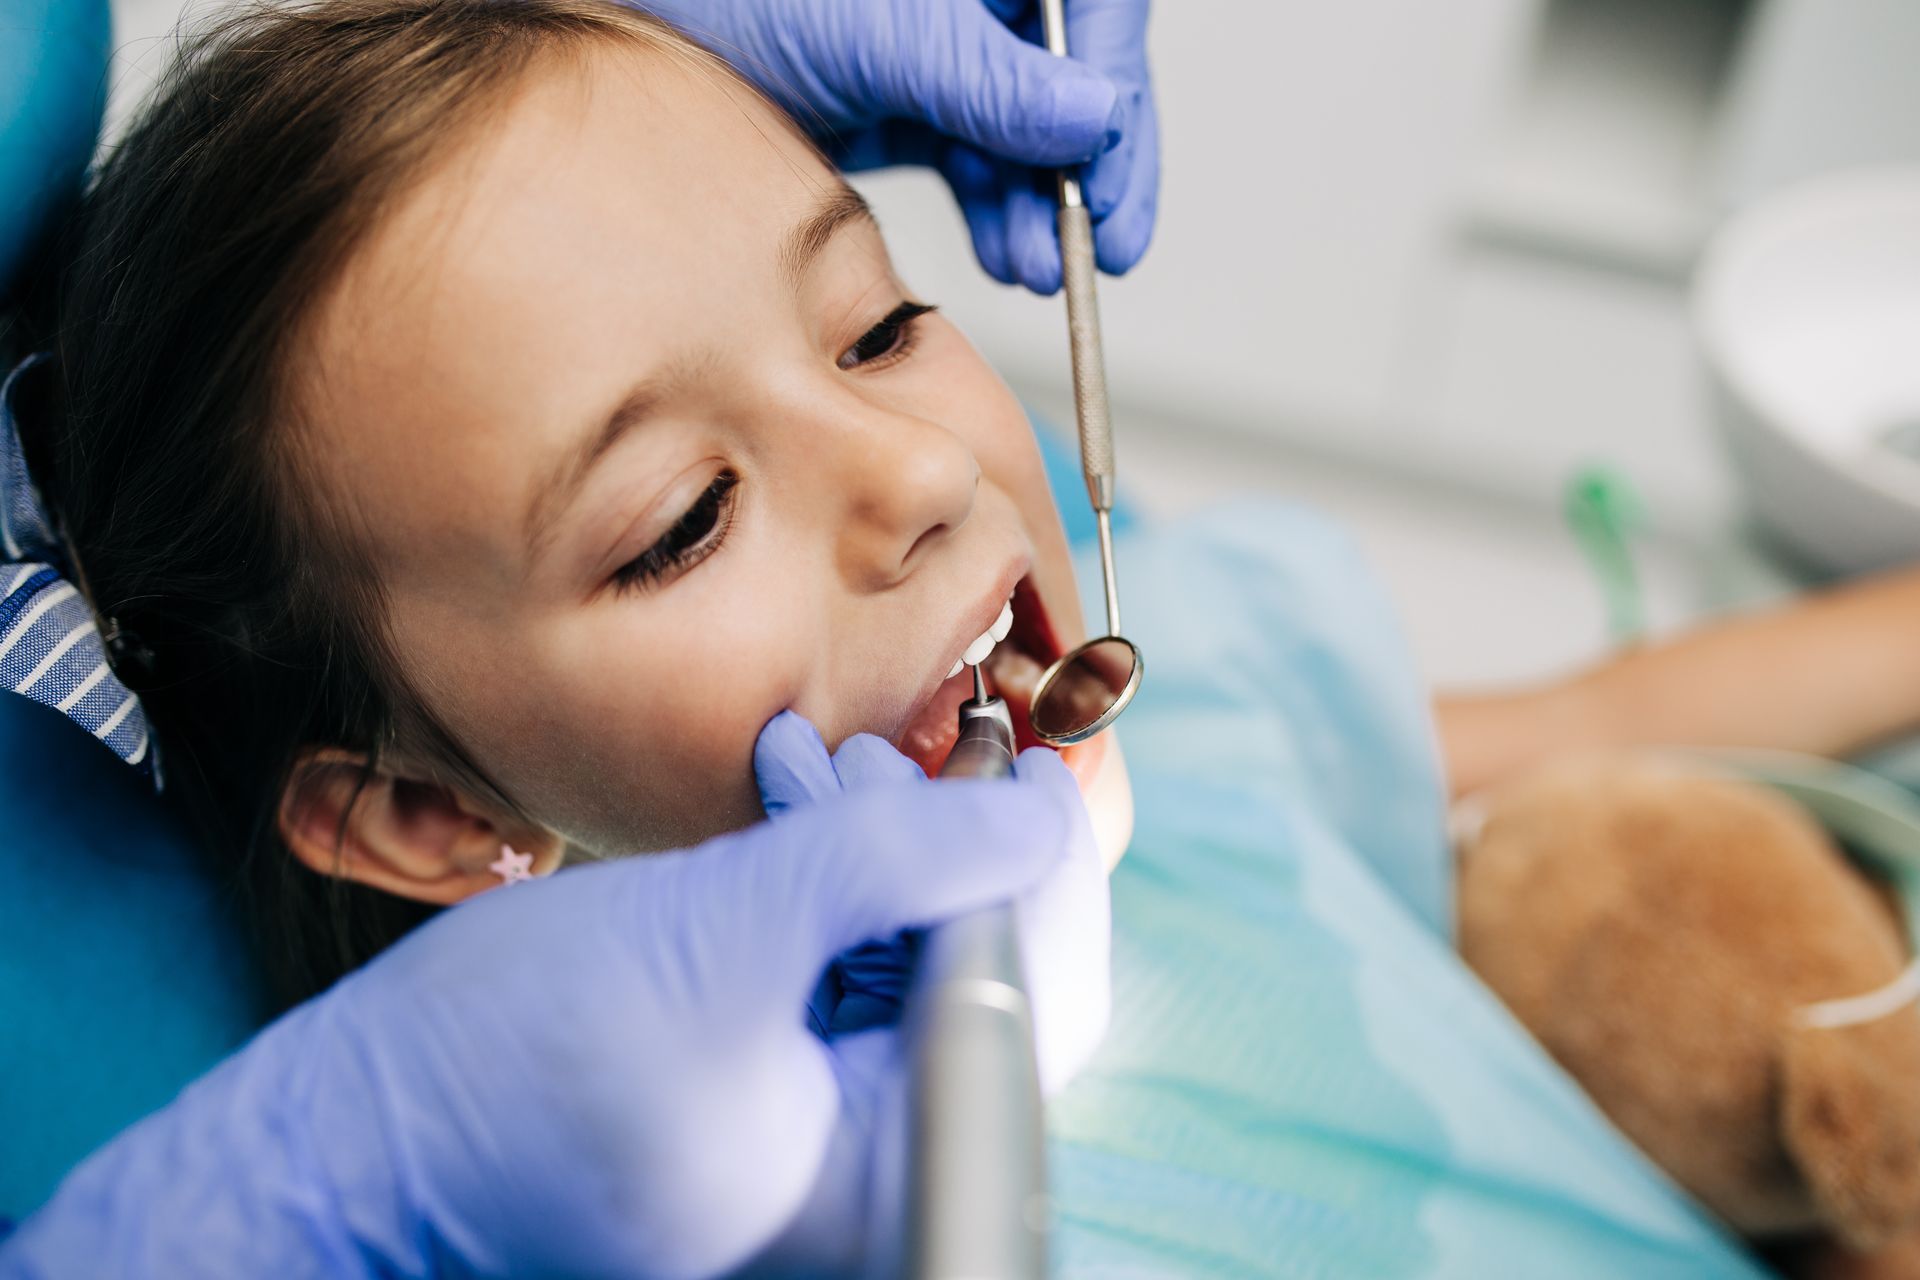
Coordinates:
[53,91]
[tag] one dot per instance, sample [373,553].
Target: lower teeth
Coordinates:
[1014,673]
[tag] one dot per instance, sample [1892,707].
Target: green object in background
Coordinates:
[1604,511]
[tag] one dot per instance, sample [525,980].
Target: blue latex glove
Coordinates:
[1064,920]
[607,1073]
[1064,924]
[964,86]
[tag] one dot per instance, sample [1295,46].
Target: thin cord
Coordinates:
[1852,1010]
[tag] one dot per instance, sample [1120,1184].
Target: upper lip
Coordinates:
[984,614]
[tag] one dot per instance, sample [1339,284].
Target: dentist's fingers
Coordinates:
[791,764]
[1112,35]
[1122,183]
[1033,236]
[792,767]
[793,893]
[976,181]
[865,760]
[1120,237]
[972,78]
[1105,182]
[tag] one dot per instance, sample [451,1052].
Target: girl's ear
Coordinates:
[419,840]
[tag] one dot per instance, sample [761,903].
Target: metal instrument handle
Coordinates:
[1089,363]
[1077,275]
[977,1194]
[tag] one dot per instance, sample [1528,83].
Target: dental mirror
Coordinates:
[1085,691]
[1088,688]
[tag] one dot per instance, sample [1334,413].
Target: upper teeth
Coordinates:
[977,651]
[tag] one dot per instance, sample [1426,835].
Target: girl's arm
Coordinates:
[1829,675]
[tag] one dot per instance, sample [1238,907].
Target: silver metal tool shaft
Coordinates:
[1078,273]
[977,1199]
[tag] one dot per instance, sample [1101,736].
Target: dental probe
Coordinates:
[977,1191]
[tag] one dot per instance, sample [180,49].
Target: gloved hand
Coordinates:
[964,86]
[607,1073]
[1064,920]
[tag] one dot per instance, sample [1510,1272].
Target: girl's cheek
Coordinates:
[1005,451]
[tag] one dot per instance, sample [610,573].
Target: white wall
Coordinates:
[1828,84]
[1313,153]
[1401,232]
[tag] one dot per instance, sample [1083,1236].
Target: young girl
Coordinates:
[483,419]
[475,421]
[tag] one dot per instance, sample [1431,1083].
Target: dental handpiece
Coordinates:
[985,745]
[977,1195]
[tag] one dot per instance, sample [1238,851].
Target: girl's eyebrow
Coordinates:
[814,232]
[807,239]
[552,495]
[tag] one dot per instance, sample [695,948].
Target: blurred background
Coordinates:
[1419,264]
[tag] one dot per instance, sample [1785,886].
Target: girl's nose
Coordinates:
[903,484]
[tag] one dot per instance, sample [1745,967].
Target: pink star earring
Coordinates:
[512,867]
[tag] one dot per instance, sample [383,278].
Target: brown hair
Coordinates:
[165,443]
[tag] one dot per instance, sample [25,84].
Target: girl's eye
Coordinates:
[893,336]
[696,535]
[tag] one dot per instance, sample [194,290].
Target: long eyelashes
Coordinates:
[696,535]
[701,529]
[892,337]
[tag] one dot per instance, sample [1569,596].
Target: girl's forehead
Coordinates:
[629,189]
[629,155]
[616,213]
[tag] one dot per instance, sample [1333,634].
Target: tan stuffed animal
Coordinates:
[1659,929]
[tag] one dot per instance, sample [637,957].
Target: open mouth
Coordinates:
[1012,671]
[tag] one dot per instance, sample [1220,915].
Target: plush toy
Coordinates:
[1694,949]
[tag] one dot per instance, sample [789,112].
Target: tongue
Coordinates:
[1014,676]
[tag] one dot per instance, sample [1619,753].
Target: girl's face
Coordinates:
[648,442]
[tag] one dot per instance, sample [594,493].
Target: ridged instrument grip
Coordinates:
[1089,364]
